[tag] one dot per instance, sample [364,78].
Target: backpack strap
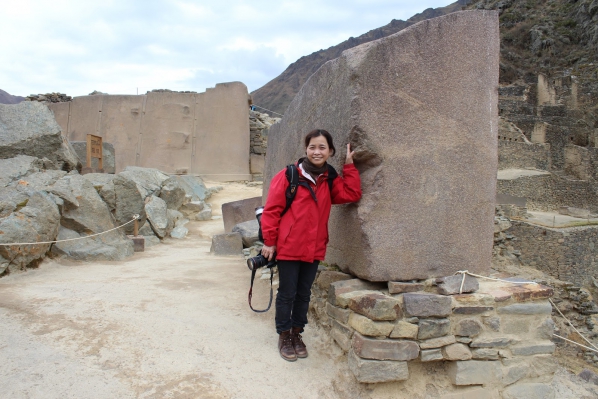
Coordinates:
[292,175]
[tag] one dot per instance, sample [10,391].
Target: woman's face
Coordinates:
[318,151]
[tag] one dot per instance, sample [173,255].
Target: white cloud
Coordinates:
[119,46]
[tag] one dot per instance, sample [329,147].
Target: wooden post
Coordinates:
[136,228]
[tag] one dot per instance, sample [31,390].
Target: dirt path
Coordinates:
[172,322]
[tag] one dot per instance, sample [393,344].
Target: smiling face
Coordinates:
[318,151]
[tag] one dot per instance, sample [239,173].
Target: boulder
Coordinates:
[17,167]
[452,284]
[157,215]
[240,211]
[148,180]
[172,193]
[420,109]
[194,187]
[108,157]
[38,221]
[128,202]
[249,232]
[90,216]
[192,208]
[104,185]
[29,128]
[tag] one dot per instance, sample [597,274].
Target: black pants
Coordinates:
[294,292]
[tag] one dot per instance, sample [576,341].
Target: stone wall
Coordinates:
[524,155]
[497,337]
[182,133]
[568,254]
[548,192]
[259,124]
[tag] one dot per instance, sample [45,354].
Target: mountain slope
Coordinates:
[277,94]
[6,98]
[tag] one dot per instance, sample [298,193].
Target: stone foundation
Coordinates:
[497,336]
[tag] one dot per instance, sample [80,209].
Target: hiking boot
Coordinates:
[298,345]
[285,346]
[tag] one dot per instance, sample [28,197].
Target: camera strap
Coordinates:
[253,271]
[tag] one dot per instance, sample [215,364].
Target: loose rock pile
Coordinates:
[49,97]
[44,198]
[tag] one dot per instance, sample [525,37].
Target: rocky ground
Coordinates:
[174,322]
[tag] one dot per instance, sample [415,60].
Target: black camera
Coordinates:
[260,260]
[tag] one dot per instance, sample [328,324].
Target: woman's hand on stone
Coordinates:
[350,154]
[268,252]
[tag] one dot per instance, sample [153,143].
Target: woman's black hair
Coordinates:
[317,133]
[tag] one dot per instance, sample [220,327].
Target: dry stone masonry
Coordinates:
[497,336]
[424,131]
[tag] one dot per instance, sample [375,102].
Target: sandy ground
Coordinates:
[171,322]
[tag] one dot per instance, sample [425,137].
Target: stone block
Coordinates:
[411,160]
[514,373]
[227,244]
[492,322]
[526,292]
[474,372]
[433,328]
[404,330]
[249,231]
[384,349]
[475,299]
[485,354]
[546,329]
[375,371]
[452,284]
[472,309]
[239,211]
[376,306]
[456,352]
[431,355]
[437,342]
[340,314]
[328,277]
[468,328]
[369,327]
[341,287]
[491,342]
[542,366]
[342,300]
[399,287]
[427,305]
[474,393]
[463,340]
[526,308]
[342,334]
[536,348]
[529,390]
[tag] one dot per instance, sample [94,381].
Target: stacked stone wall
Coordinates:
[568,254]
[259,124]
[498,337]
[549,192]
[522,155]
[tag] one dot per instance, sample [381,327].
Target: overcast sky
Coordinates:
[121,46]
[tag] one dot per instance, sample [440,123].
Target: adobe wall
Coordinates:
[202,134]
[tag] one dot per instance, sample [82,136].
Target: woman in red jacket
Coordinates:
[300,236]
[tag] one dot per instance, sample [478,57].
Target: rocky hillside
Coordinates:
[6,98]
[554,37]
[277,94]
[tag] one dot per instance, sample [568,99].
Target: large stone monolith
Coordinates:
[420,109]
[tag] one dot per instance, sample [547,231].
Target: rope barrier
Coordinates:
[594,347]
[267,110]
[571,324]
[135,217]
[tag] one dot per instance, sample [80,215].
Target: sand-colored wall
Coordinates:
[204,134]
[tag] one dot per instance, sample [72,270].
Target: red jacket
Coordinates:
[302,232]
